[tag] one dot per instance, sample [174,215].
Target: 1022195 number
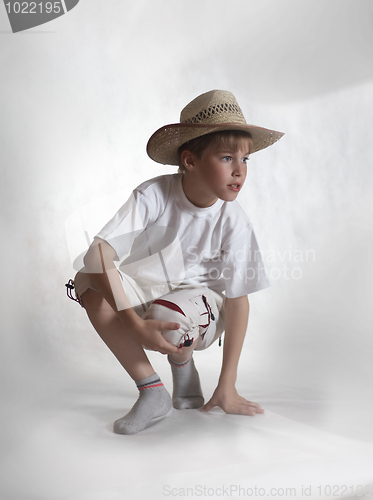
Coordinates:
[33,7]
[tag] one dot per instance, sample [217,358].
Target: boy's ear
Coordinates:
[187,158]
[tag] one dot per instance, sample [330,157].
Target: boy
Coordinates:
[182,240]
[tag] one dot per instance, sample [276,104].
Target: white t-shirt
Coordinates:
[161,238]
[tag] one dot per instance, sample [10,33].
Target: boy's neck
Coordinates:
[192,193]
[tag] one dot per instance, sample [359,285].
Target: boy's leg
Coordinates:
[187,391]
[154,400]
[122,344]
[197,313]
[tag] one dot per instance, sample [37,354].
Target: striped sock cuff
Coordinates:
[149,382]
[179,365]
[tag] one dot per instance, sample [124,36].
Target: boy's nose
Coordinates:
[238,169]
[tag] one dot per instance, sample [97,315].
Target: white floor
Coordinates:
[61,445]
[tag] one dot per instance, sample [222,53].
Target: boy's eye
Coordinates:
[227,158]
[245,159]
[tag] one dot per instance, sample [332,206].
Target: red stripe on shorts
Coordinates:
[170,305]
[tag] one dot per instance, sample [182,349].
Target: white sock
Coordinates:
[154,401]
[187,393]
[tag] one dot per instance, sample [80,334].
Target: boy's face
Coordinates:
[219,174]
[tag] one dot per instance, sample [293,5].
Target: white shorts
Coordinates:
[199,310]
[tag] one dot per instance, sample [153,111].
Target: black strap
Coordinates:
[69,291]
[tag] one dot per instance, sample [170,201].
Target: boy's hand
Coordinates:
[231,402]
[149,333]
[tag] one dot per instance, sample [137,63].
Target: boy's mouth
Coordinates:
[235,187]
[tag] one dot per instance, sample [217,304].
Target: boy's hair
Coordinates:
[226,138]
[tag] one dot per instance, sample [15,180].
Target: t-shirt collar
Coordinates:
[188,206]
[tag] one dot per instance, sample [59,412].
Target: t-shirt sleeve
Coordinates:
[243,268]
[130,221]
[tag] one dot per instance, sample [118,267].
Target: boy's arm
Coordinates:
[99,263]
[225,395]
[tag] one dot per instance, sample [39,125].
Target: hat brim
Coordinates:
[164,144]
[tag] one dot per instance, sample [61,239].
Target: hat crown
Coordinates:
[214,107]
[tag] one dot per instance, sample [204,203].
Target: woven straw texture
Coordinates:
[210,112]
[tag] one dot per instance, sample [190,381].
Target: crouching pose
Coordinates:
[188,258]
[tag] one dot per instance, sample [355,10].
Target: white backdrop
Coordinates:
[80,97]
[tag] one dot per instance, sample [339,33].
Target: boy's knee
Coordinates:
[91,299]
[161,311]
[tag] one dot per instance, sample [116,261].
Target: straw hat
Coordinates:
[210,112]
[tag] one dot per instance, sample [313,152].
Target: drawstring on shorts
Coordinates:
[69,291]
[209,310]
[209,313]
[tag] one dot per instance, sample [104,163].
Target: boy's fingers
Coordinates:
[168,348]
[256,406]
[165,350]
[250,408]
[246,409]
[207,406]
[172,350]
[170,326]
